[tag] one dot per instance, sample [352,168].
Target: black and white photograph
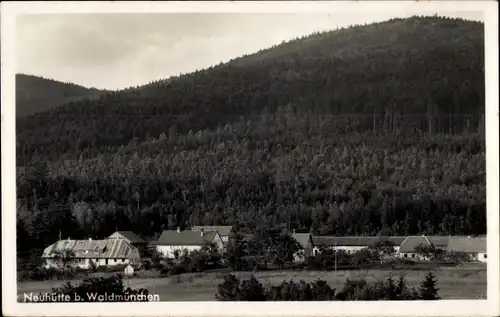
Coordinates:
[207,152]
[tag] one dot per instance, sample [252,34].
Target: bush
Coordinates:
[232,289]
[228,290]
[251,290]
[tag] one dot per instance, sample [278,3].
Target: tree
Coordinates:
[391,290]
[228,290]
[284,249]
[384,247]
[425,250]
[64,259]
[251,290]
[428,289]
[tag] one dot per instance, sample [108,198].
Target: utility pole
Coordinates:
[335,250]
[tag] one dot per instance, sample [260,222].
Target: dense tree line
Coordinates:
[280,170]
[234,289]
[424,73]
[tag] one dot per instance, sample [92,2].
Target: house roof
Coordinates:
[302,238]
[355,241]
[188,237]
[109,248]
[439,242]
[129,235]
[411,242]
[396,240]
[467,245]
[222,230]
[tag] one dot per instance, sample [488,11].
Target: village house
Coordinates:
[305,241]
[352,244]
[132,239]
[106,252]
[409,247]
[474,247]
[172,241]
[225,232]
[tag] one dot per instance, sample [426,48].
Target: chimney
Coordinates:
[69,238]
[90,239]
[178,229]
[201,232]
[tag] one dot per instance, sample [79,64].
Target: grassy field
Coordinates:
[453,283]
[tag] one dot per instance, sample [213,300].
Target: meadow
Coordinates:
[453,282]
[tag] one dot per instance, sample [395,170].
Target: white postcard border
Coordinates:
[489,307]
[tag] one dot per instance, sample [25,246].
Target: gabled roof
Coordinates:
[302,239]
[222,230]
[439,242]
[112,248]
[467,245]
[411,242]
[188,237]
[130,236]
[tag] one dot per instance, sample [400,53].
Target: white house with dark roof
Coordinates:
[474,247]
[408,248]
[107,252]
[224,231]
[171,241]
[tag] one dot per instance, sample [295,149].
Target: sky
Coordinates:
[116,51]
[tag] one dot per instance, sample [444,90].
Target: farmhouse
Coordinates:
[305,241]
[351,244]
[224,232]
[132,239]
[347,244]
[475,248]
[171,241]
[409,247]
[101,252]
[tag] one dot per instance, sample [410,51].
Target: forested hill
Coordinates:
[35,94]
[429,69]
[286,138]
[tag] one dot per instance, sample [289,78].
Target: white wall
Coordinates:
[348,249]
[413,256]
[85,263]
[168,250]
[482,257]
[219,241]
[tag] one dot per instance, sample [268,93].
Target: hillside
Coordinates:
[405,73]
[286,137]
[35,94]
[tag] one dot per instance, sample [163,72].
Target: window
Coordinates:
[115,260]
[106,262]
[485,256]
[123,260]
[406,255]
[412,255]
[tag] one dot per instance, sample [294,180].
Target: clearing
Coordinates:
[453,283]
